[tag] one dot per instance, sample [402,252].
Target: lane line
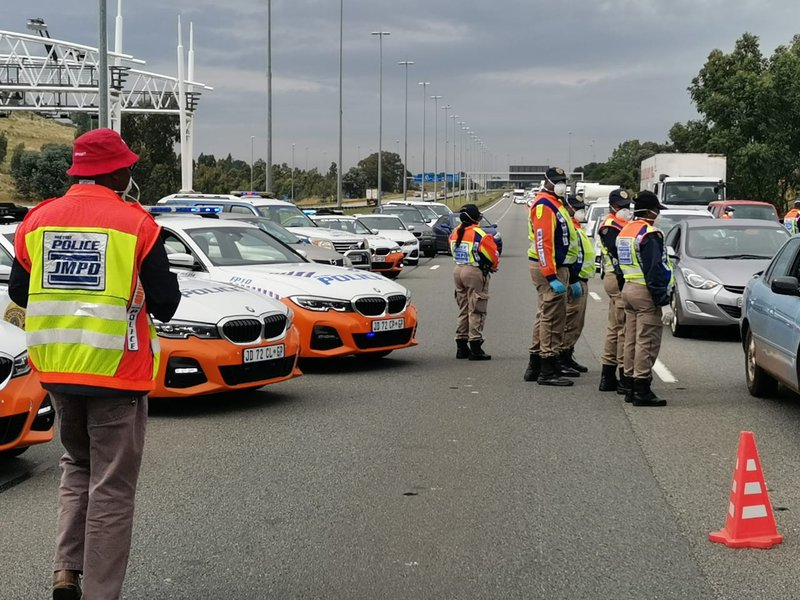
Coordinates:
[434,267]
[595,296]
[664,374]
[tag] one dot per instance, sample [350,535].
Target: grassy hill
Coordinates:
[33,131]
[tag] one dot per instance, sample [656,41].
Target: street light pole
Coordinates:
[292,173]
[445,108]
[102,67]
[435,143]
[424,85]
[380,35]
[341,110]
[269,97]
[569,157]
[252,139]
[406,64]
[455,147]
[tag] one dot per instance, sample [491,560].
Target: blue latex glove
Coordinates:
[558,287]
[577,290]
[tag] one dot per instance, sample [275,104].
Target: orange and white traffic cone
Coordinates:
[750,522]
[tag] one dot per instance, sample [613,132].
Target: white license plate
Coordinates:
[252,355]
[388,325]
[739,302]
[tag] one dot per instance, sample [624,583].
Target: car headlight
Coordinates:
[327,244]
[322,304]
[21,365]
[184,329]
[698,282]
[289,319]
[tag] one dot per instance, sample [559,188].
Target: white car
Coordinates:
[387,255]
[284,214]
[393,228]
[337,311]
[222,337]
[519,196]
[596,211]
[436,207]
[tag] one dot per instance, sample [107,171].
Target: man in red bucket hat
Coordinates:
[91,269]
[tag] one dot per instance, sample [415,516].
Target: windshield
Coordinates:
[691,192]
[735,242]
[754,211]
[427,212]
[286,216]
[239,246]
[383,223]
[5,258]
[439,209]
[9,237]
[348,225]
[409,216]
[276,231]
[598,211]
[666,221]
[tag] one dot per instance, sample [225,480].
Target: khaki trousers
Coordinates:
[104,440]
[643,329]
[614,350]
[551,313]
[576,317]
[472,297]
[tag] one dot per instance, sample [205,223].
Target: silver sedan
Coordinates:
[713,260]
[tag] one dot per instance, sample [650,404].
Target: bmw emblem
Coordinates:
[251,309]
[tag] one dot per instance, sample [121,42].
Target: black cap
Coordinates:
[555,175]
[575,203]
[647,200]
[619,198]
[471,211]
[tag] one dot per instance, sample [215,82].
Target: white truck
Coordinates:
[685,180]
[593,191]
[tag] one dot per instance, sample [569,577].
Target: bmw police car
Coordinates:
[222,337]
[337,311]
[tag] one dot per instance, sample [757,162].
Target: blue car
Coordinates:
[771,324]
[445,224]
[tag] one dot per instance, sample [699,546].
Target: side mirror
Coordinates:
[671,253]
[786,286]
[182,260]
[5,274]
[411,228]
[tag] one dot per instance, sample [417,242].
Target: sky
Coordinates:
[538,81]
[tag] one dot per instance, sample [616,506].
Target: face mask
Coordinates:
[560,189]
[625,214]
[126,193]
[580,215]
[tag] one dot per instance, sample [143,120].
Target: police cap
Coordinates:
[575,202]
[555,175]
[619,198]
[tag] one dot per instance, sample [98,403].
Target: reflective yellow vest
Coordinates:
[629,242]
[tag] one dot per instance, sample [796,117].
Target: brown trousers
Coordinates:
[472,297]
[104,440]
[614,350]
[576,317]
[643,329]
[551,314]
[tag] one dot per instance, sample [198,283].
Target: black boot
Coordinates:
[644,396]
[562,369]
[624,384]
[476,352]
[608,379]
[463,349]
[568,359]
[548,376]
[534,368]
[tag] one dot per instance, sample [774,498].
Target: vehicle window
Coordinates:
[9,237]
[666,221]
[427,212]
[276,231]
[409,216]
[234,246]
[747,211]
[5,258]
[441,221]
[286,216]
[685,192]
[241,210]
[173,244]
[780,266]
[439,209]
[485,222]
[734,242]
[674,238]
[385,223]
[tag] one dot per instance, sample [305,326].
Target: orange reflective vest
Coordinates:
[87,322]
[554,241]
[790,221]
[476,248]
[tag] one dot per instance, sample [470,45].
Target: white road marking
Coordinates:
[434,267]
[664,374]
[595,296]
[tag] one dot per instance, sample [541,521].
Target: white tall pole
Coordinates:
[102,66]
[445,108]
[341,109]
[380,35]
[268,178]
[406,64]
[115,106]
[190,116]
[424,85]
[185,183]
[252,161]
[118,34]
[292,173]
[455,148]
[435,144]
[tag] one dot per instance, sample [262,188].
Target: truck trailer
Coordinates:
[687,180]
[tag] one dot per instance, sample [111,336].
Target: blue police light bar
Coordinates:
[309,211]
[195,210]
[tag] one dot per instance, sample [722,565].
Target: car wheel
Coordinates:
[759,383]
[675,326]
[391,274]
[14,452]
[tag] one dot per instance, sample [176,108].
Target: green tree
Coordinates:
[623,167]
[392,171]
[153,138]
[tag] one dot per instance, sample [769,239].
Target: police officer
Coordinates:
[554,247]
[614,350]
[790,219]
[91,268]
[476,257]
[648,283]
[576,306]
